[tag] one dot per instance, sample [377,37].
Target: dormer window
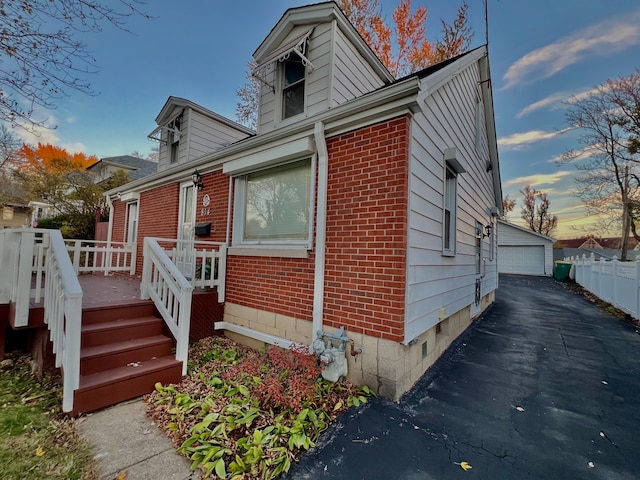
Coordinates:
[293,77]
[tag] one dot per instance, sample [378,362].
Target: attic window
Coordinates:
[173,140]
[297,46]
[293,73]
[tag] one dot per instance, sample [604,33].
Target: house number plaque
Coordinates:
[206,201]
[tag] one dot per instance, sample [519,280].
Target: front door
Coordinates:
[186,227]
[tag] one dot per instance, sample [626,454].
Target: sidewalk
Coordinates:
[126,440]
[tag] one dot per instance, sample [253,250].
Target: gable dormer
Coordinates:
[313,60]
[187,131]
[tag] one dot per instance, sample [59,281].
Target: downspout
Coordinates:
[109,232]
[227,237]
[321,229]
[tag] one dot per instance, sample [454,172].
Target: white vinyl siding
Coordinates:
[352,75]
[448,119]
[340,73]
[200,135]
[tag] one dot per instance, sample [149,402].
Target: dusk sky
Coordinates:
[541,54]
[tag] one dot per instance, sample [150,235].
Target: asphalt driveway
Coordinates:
[543,386]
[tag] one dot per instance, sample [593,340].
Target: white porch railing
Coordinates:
[615,282]
[26,254]
[171,293]
[102,256]
[203,263]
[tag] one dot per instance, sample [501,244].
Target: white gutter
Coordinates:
[321,230]
[227,237]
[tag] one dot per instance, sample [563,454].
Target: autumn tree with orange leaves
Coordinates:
[401,45]
[58,177]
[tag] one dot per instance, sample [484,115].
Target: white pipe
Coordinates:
[256,334]
[228,234]
[321,229]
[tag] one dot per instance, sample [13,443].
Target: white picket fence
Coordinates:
[615,282]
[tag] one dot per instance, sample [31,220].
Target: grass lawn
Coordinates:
[36,440]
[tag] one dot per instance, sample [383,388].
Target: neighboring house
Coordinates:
[362,202]
[524,251]
[15,215]
[136,168]
[596,243]
[40,210]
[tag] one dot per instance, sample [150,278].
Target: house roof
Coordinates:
[177,102]
[525,230]
[135,167]
[398,95]
[604,242]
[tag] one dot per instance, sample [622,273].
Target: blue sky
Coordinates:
[541,53]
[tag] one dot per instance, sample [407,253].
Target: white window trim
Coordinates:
[278,247]
[128,219]
[453,212]
[280,120]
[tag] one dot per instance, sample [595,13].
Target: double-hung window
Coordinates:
[449,212]
[293,78]
[274,206]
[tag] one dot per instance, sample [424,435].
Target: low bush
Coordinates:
[246,414]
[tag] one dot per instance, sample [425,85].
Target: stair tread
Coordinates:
[124,373]
[119,323]
[124,345]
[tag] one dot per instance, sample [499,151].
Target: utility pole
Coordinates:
[625,215]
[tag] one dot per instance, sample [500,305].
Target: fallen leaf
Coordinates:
[122,476]
[338,406]
[590,465]
[39,452]
[464,465]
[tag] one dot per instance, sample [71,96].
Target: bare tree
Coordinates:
[535,211]
[508,205]
[608,120]
[249,99]
[41,57]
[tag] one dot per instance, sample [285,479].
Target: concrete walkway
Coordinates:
[126,440]
[544,386]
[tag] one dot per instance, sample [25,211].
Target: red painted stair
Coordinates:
[124,353]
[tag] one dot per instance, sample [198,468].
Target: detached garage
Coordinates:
[524,251]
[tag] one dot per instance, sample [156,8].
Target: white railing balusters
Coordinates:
[92,256]
[28,252]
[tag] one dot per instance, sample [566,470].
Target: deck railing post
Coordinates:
[71,361]
[23,285]
[146,270]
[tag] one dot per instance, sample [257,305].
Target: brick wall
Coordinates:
[216,185]
[119,216]
[157,216]
[367,230]
[366,242]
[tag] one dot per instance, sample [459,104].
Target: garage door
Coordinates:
[526,260]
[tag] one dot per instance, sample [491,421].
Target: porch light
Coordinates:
[488,229]
[196,179]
